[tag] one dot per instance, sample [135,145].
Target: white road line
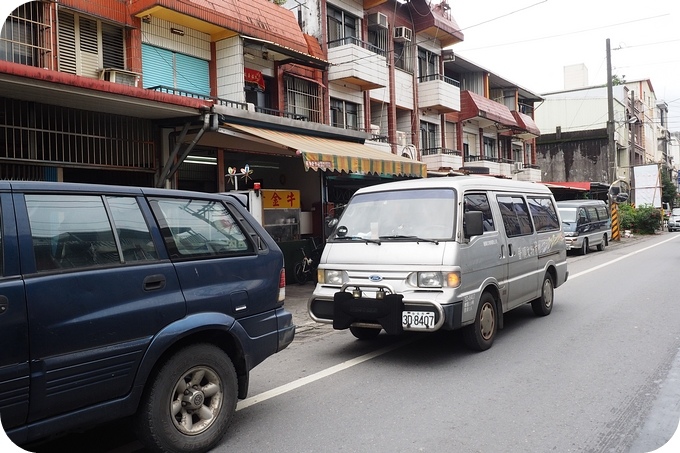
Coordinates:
[571,277]
[319,375]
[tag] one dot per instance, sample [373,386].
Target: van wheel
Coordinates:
[190,401]
[601,245]
[543,305]
[479,335]
[584,246]
[364,333]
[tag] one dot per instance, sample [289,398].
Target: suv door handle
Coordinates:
[154,282]
[4,304]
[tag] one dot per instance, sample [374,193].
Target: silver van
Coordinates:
[586,223]
[442,253]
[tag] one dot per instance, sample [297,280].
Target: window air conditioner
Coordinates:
[519,166]
[401,138]
[377,21]
[120,76]
[403,34]
[375,129]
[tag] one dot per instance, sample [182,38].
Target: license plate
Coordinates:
[417,319]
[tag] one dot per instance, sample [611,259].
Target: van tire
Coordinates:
[364,333]
[543,305]
[601,245]
[479,335]
[584,246]
[216,392]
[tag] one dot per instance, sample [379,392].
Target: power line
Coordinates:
[502,16]
[567,34]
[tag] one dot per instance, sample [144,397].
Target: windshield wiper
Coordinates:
[358,238]
[416,238]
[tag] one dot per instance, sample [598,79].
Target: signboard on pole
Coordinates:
[647,186]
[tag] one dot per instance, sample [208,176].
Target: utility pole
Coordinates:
[631,158]
[611,145]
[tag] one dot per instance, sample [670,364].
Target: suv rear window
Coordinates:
[194,228]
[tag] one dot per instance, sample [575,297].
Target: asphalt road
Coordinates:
[600,374]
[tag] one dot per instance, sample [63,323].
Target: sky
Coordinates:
[529,42]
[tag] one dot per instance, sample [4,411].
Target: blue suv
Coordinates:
[120,301]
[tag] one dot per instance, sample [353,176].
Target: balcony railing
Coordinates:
[229,103]
[434,151]
[449,80]
[357,42]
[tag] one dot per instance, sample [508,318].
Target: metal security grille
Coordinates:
[26,36]
[302,98]
[33,133]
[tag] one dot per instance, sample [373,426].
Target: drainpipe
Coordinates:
[172,164]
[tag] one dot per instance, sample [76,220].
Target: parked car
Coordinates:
[674,220]
[586,223]
[440,254]
[118,301]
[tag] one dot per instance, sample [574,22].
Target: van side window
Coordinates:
[544,214]
[193,227]
[515,215]
[602,213]
[480,202]
[592,213]
[133,232]
[70,231]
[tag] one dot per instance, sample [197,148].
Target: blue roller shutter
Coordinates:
[192,74]
[158,67]
[175,70]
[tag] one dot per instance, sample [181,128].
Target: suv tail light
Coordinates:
[282,286]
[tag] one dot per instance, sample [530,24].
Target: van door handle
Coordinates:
[500,257]
[4,304]
[154,282]
[509,249]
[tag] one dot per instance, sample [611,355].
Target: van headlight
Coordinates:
[330,276]
[433,279]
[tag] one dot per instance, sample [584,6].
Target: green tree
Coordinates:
[616,80]
[668,190]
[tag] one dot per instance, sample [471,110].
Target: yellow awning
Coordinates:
[338,155]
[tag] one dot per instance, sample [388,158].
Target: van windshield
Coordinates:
[568,216]
[398,215]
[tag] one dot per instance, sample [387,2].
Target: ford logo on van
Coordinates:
[375,278]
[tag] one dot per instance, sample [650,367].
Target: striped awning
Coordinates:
[338,155]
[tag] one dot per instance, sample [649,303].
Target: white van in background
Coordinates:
[441,253]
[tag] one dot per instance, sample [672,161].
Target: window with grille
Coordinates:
[302,99]
[25,37]
[88,45]
[403,56]
[489,147]
[344,114]
[342,27]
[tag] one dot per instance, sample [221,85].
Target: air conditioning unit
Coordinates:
[403,34]
[448,55]
[519,167]
[375,129]
[377,21]
[120,76]
[401,138]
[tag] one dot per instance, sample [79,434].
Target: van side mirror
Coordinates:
[473,223]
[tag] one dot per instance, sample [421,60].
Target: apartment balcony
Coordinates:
[531,173]
[440,93]
[504,168]
[358,63]
[441,158]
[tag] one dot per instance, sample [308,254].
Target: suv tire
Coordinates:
[197,382]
